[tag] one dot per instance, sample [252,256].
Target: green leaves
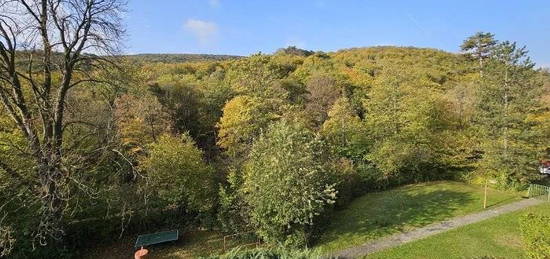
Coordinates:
[508,93]
[286,183]
[480,44]
[405,120]
[176,173]
[243,119]
[536,235]
[345,132]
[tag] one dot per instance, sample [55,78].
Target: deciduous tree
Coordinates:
[286,183]
[177,174]
[47,48]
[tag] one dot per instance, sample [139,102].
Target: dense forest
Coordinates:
[177,58]
[266,143]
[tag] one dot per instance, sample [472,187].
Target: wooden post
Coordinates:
[485,196]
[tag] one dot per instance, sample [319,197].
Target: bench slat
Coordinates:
[157,238]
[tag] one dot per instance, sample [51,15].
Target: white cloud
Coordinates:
[205,31]
[214,3]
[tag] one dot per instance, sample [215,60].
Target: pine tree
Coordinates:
[479,46]
[508,94]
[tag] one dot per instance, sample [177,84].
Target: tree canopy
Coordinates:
[96,147]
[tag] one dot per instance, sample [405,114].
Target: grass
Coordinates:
[379,214]
[368,217]
[190,245]
[498,237]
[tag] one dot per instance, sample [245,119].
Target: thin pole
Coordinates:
[485,196]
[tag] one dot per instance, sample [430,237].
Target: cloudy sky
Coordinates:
[243,27]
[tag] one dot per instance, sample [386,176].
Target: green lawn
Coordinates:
[498,237]
[368,217]
[379,214]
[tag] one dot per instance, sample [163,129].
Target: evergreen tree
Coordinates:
[508,94]
[479,46]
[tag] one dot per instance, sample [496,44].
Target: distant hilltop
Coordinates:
[179,58]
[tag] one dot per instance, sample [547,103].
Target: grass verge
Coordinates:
[499,237]
[375,215]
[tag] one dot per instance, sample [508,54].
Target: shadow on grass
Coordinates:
[502,202]
[189,245]
[388,213]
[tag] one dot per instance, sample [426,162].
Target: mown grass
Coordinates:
[368,217]
[379,214]
[499,237]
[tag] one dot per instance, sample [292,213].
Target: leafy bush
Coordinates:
[536,235]
[268,253]
[233,211]
[286,184]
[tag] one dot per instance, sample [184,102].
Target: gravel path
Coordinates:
[436,228]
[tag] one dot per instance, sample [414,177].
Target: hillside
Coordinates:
[179,58]
[190,142]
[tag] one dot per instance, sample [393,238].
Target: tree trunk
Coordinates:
[505,134]
[480,65]
[51,182]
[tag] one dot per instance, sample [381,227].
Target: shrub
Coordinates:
[268,253]
[536,235]
[286,184]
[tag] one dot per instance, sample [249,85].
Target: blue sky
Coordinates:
[243,27]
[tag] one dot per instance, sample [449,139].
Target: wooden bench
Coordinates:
[156,238]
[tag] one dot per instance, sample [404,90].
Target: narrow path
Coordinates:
[436,228]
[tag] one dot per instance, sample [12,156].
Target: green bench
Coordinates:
[156,238]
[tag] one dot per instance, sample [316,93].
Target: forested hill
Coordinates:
[369,63]
[179,58]
[205,139]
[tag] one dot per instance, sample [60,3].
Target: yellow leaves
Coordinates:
[243,118]
[542,122]
[178,174]
[342,125]
[140,121]
[237,114]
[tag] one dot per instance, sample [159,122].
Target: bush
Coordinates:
[268,253]
[233,211]
[286,184]
[536,235]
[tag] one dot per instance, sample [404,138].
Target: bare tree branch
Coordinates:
[52,39]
